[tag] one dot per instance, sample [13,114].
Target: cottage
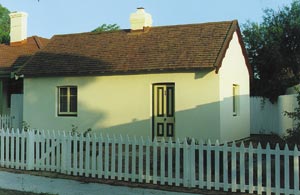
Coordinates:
[169,81]
[13,56]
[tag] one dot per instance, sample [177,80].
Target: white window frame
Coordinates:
[235,99]
[68,112]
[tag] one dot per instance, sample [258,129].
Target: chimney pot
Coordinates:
[140,19]
[18,28]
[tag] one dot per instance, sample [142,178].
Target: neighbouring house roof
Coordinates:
[155,49]
[12,57]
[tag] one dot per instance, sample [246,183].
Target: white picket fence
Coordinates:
[5,121]
[228,167]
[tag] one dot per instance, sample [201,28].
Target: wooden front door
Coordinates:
[163,110]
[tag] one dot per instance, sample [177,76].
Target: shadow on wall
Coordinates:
[214,121]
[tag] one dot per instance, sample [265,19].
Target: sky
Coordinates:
[50,17]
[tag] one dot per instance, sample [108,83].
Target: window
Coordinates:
[67,101]
[235,99]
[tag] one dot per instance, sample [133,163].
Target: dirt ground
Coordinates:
[119,183]
[15,192]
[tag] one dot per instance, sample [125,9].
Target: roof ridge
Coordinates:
[153,27]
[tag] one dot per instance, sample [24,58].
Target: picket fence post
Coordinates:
[120,157]
[186,164]
[217,165]
[177,162]
[148,141]
[192,164]
[277,170]
[162,161]
[286,169]
[65,153]
[250,165]
[30,150]
[296,169]
[208,165]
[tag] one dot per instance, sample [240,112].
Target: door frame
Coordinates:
[153,104]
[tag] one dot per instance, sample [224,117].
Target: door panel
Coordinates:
[160,102]
[170,101]
[163,110]
[170,129]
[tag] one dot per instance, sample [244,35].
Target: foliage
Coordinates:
[106,28]
[4,25]
[25,126]
[74,131]
[293,134]
[274,51]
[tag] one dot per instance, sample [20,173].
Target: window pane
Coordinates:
[235,101]
[63,104]
[67,100]
[73,103]
[73,99]
[73,91]
[63,91]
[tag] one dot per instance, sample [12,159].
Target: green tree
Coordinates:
[273,48]
[4,24]
[106,28]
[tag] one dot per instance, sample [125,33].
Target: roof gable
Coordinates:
[156,49]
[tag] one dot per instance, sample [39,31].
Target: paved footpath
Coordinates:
[39,184]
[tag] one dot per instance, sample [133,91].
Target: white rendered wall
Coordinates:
[16,110]
[234,71]
[268,118]
[264,116]
[123,104]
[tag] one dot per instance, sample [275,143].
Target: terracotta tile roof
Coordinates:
[12,57]
[156,49]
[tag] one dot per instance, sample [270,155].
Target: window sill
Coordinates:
[67,115]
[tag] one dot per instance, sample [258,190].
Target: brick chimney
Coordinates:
[140,19]
[18,28]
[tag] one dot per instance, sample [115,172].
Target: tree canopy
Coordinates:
[273,48]
[4,24]
[107,28]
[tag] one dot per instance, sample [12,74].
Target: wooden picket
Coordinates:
[210,166]
[5,121]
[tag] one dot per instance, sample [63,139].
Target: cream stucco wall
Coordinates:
[234,71]
[123,104]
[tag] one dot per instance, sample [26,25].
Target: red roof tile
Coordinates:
[15,56]
[157,49]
